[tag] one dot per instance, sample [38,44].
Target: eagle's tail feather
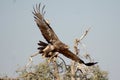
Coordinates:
[41,43]
[42,46]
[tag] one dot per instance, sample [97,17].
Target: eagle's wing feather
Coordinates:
[44,27]
[74,57]
[71,55]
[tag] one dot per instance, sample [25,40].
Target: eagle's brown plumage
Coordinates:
[54,44]
[44,27]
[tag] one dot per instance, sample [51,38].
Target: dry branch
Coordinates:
[30,59]
[76,51]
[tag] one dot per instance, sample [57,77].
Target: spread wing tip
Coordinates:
[91,63]
[38,10]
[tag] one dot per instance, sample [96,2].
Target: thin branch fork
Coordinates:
[76,51]
[30,59]
[85,33]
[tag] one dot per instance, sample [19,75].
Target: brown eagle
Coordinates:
[54,44]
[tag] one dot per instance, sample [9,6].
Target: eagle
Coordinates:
[54,44]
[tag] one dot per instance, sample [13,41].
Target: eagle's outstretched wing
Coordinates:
[43,25]
[74,57]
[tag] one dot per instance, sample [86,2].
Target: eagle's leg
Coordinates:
[49,48]
[50,54]
[53,56]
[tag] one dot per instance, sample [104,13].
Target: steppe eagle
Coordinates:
[53,43]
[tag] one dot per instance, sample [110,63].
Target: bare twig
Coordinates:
[76,51]
[87,56]
[26,75]
[72,70]
[63,61]
[56,72]
[30,59]
[81,38]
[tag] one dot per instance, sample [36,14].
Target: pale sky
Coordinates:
[19,34]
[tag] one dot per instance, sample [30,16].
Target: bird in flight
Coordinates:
[53,43]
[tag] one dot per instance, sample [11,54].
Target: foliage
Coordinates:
[36,72]
[46,71]
[57,69]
